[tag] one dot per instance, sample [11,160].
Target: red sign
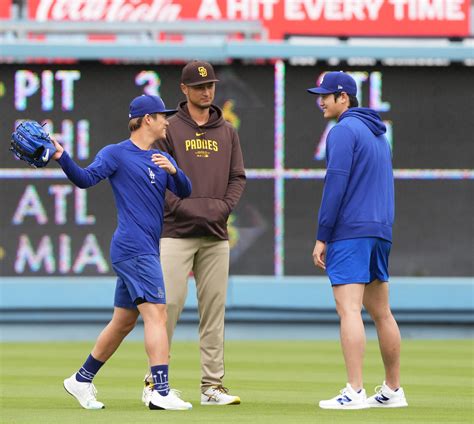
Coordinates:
[279,17]
[5,9]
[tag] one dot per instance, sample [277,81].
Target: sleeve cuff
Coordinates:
[178,173]
[324,233]
[63,159]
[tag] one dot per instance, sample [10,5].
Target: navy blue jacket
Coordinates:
[358,197]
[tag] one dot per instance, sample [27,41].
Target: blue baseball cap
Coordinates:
[146,104]
[335,82]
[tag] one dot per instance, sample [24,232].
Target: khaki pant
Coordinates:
[208,258]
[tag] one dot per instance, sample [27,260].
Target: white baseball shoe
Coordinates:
[147,395]
[218,395]
[385,397]
[172,401]
[347,399]
[85,393]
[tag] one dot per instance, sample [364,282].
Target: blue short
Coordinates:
[140,279]
[359,260]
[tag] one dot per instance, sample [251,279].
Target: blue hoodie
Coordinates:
[358,196]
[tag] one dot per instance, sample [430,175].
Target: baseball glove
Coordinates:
[31,143]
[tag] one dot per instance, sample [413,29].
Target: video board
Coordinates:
[53,228]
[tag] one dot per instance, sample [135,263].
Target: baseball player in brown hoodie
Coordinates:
[195,238]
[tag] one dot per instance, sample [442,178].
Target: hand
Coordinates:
[59,149]
[319,254]
[164,163]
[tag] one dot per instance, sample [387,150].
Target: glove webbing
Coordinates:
[35,155]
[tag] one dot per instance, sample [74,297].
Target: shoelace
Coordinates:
[221,389]
[343,396]
[177,395]
[176,392]
[92,391]
[216,391]
[343,391]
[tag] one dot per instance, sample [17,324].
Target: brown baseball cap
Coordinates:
[198,72]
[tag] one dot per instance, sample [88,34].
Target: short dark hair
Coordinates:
[135,123]
[353,102]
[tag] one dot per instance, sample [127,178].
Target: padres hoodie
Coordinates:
[211,157]
[358,196]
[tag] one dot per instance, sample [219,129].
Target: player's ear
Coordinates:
[184,89]
[148,118]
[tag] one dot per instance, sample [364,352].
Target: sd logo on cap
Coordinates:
[198,72]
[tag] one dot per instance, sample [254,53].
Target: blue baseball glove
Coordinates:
[31,143]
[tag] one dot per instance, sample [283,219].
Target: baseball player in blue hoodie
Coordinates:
[355,236]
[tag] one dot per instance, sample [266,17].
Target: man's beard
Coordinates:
[202,107]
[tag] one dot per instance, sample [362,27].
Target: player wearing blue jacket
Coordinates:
[354,238]
[139,187]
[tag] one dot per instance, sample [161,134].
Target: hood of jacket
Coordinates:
[215,116]
[368,116]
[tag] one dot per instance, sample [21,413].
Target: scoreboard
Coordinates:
[50,227]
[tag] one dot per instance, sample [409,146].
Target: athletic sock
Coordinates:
[160,379]
[88,371]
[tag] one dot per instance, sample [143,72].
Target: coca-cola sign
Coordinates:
[279,17]
[105,10]
[5,9]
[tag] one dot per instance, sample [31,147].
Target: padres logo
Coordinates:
[202,71]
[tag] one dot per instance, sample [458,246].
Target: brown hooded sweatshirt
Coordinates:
[211,157]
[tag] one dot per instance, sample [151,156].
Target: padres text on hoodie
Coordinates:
[358,196]
[211,157]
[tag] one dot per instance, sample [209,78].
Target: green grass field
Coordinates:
[279,382]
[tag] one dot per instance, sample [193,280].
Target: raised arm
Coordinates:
[103,166]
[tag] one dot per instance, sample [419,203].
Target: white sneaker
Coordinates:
[347,399]
[385,397]
[218,395]
[85,393]
[172,401]
[147,390]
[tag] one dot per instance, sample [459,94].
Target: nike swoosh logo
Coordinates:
[45,157]
[199,134]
